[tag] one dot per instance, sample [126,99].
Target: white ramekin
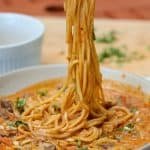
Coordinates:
[20,41]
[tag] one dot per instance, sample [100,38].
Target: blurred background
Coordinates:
[133,9]
[122,29]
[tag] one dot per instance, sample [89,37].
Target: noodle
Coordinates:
[82,104]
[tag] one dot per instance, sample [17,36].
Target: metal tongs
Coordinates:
[145,147]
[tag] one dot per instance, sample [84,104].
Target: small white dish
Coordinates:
[20,41]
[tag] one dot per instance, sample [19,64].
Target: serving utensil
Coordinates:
[145,147]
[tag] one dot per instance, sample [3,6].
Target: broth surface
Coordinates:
[131,135]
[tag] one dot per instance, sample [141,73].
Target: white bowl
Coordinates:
[14,81]
[20,41]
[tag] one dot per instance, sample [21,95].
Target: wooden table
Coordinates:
[137,9]
[134,35]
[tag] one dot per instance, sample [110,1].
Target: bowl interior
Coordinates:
[17,28]
[17,80]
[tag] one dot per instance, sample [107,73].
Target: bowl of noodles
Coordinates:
[75,107]
[38,84]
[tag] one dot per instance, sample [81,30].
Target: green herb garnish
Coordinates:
[133,110]
[119,55]
[79,145]
[127,128]
[20,104]
[111,52]
[120,129]
[136,56]
[42,92]
[56,108]
[107,38]
[17,124]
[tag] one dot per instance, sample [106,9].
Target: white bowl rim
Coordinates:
[103,70]
[21,43]
[65,65]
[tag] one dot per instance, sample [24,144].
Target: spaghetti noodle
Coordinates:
[78,115]
[81,99]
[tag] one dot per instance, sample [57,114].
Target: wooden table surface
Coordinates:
[137,9]
[133,35]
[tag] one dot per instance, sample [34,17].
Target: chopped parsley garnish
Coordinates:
[56,108]
[42,92]
[18,123]
[112,52]
[78,143]
[133,110]
[136,56]
[107,38]
[127,128]
[80,146]
[20,104]
[119,55]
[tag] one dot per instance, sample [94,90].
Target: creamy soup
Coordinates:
[15,131]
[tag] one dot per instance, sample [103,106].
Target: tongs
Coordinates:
[145,147]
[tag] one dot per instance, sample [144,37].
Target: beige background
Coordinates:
[135,35]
